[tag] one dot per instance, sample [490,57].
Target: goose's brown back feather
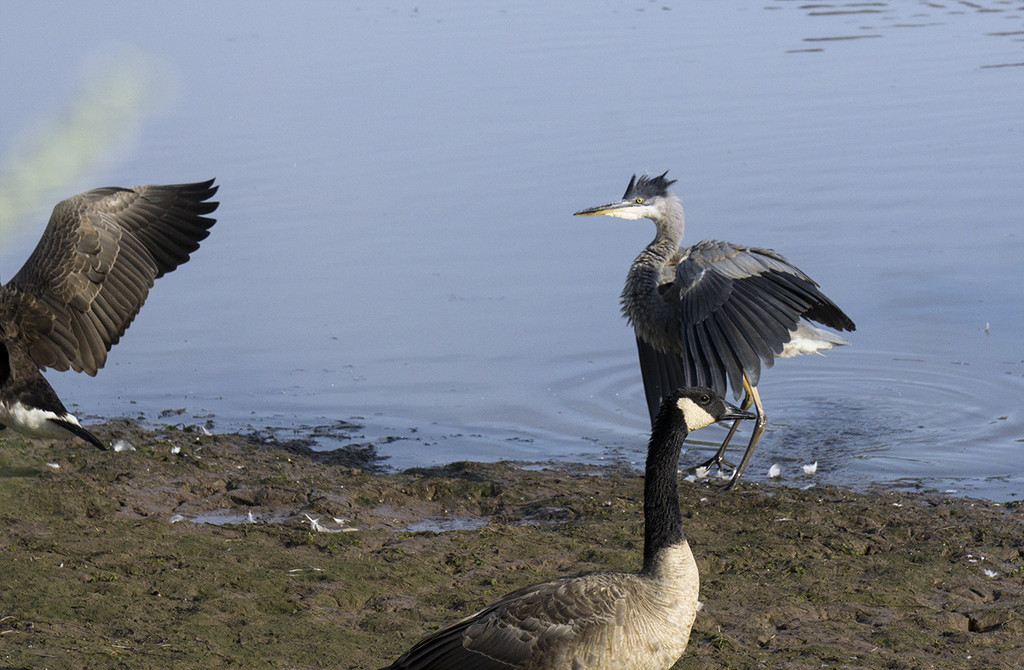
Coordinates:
[519,629]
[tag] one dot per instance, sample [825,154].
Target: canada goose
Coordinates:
[601,620]
[82,286]
[712,313]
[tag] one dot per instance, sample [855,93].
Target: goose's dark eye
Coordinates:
[704,398]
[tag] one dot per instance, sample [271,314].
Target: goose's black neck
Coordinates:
[663,523]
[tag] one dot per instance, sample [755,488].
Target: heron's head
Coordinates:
[645,198]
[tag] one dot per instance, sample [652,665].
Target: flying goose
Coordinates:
[82,286]
[600,620]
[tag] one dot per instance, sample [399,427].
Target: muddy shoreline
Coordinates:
[199,550]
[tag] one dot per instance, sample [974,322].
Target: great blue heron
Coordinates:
[712,313]
[599,620]
[82,287]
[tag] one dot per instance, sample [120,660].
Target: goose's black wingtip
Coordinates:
[81,432]
[201,192]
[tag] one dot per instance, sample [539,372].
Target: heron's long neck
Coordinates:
[663,523]
[670,225]
[642,303]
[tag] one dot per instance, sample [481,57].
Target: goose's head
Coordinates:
[691,408]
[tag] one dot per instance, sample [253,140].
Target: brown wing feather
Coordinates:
[92,270]
[527,628]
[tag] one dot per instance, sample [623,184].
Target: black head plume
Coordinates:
[647,187]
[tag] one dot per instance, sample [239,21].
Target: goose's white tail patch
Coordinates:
[33,421]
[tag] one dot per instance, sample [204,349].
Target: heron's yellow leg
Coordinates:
[748,398]
[759,423]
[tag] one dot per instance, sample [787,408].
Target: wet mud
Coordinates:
[198,550]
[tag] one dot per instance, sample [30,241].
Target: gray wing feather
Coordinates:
[737,308]
[662,373]
[94,265]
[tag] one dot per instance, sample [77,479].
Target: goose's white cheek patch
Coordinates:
[695,416]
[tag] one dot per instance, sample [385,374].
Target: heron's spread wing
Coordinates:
[662,373]
[93,268]
[738,306]
[523,626]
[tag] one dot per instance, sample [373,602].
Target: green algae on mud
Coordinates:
[103,565]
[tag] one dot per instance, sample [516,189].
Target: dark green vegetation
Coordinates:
[93,573]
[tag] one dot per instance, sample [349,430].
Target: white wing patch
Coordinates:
[808,339]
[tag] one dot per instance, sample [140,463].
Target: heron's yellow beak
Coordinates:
[610,208]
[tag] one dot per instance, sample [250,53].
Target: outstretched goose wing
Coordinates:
[93,268]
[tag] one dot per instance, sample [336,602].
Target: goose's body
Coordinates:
[81,288]
[713,313]
[606,620]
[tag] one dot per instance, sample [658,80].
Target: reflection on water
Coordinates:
[855,21]
[395,245]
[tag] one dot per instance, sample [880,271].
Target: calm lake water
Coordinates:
[395,245]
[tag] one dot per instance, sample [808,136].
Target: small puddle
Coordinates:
[226,517]
[441,524]
[222,519]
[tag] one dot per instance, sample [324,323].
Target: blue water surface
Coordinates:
[395,246]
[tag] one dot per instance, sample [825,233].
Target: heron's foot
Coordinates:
[733,480]
[716,470]
[716,461]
